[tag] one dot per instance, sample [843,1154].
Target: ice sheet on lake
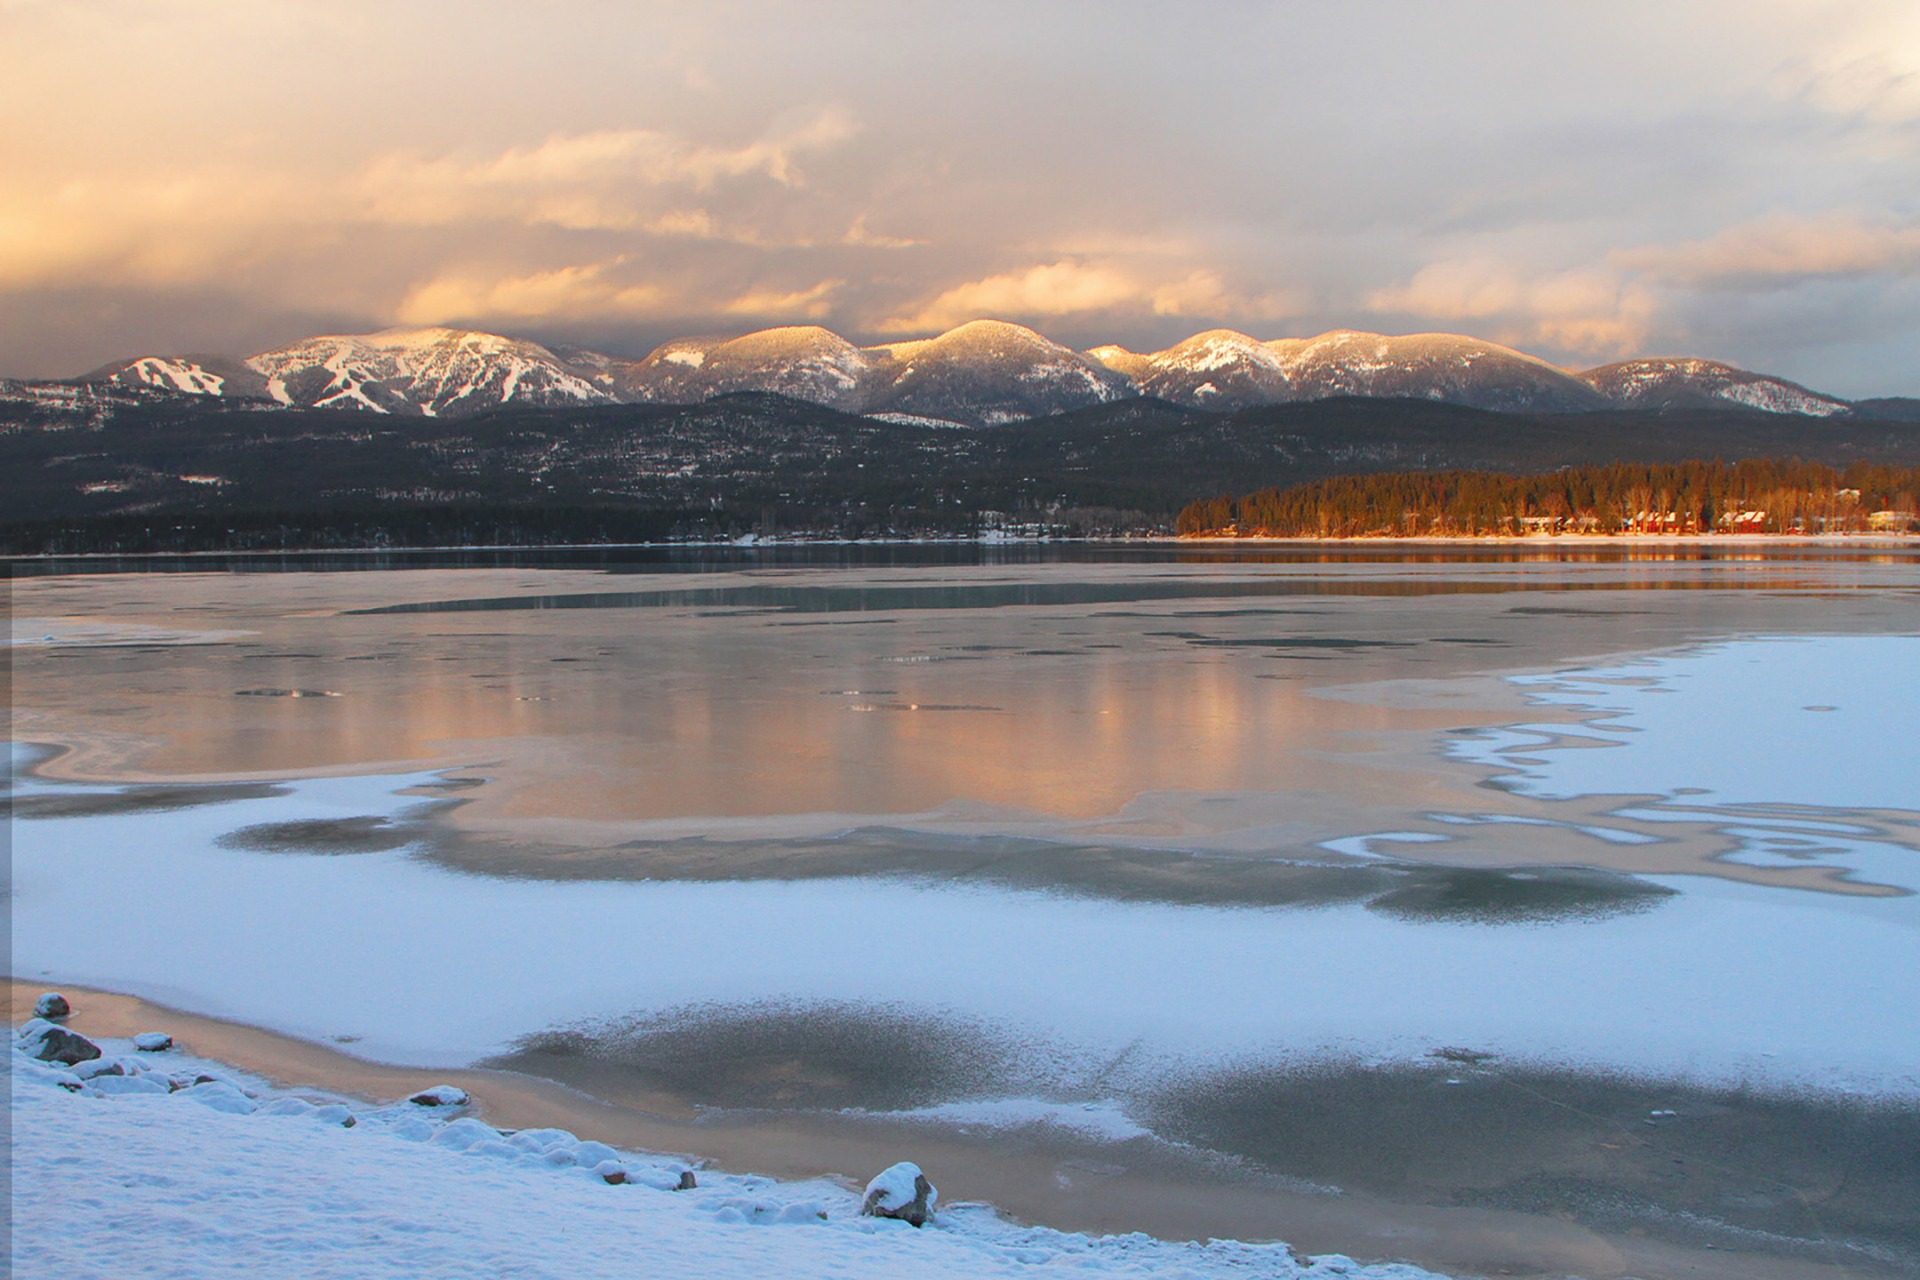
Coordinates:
[1825,721]
[1725,981]
[1785,743]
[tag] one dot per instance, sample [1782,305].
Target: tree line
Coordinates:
[1783,496]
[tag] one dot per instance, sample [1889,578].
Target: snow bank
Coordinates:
[120,1175]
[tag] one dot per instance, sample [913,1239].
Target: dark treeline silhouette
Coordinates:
[499,525]
[1754,496]
[424,526]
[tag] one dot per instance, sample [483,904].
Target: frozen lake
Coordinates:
[1471,884]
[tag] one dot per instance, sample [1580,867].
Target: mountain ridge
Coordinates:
[982,373]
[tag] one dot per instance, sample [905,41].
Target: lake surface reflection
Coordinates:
[1556,889]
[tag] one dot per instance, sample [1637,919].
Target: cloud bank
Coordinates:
[1731,178]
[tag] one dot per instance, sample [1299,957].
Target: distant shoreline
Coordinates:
[1569,539]
[1530,540]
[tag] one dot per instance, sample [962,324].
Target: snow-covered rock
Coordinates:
[589,1154]
[900,1191]
[26,1067]
[52,1006]
[153,1042]
[121,1086]
[94,1068]
[463,1133]
[220,1096]
[321,1113]
[45,1042]
[441,1095]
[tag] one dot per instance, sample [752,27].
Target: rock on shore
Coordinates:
[900,1191]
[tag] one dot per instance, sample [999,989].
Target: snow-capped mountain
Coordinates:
[428,371]
[1222,369]
[802,361]
[988,372]
[434,372]
[1218,369]
[980,374]
[1431,366]
[201,375]
[1704,384]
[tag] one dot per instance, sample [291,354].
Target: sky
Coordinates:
[1586,180]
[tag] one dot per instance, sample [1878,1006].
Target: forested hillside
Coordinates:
[1753,496]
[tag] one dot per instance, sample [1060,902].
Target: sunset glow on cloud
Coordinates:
[1733,178]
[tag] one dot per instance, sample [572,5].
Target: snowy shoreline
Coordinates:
[162,1161]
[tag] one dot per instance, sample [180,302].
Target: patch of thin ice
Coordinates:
[1102,1121]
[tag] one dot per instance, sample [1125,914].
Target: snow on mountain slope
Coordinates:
[1222,369]
[1682,383]
[980,374]
[802,361]
[436,372]
[1127,363]
[1429,366]
[988,372]
[200,375]
[1218,369]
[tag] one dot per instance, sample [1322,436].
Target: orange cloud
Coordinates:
[1866,69]
[1782,247]
[220,219]
[1594,311]
[1068,287]
[599,180]
[813,304]
[566,293]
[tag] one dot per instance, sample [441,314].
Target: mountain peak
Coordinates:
[1688,382]
[982,372]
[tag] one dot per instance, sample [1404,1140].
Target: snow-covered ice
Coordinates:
[1783,720]
[1726,981]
